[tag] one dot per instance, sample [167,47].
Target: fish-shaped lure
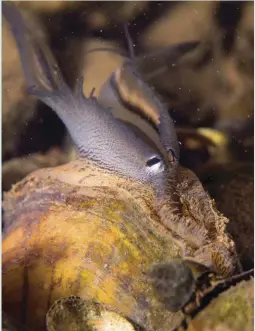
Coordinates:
[97,134]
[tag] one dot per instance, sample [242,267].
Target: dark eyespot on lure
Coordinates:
[97,134]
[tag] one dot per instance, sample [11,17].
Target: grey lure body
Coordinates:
[97,134]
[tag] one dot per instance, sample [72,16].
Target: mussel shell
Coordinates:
[88,240]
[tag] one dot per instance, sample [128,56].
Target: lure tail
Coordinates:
[43,76]
[38,63]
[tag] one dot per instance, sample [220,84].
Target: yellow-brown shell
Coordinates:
[231,311]
[71,231]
